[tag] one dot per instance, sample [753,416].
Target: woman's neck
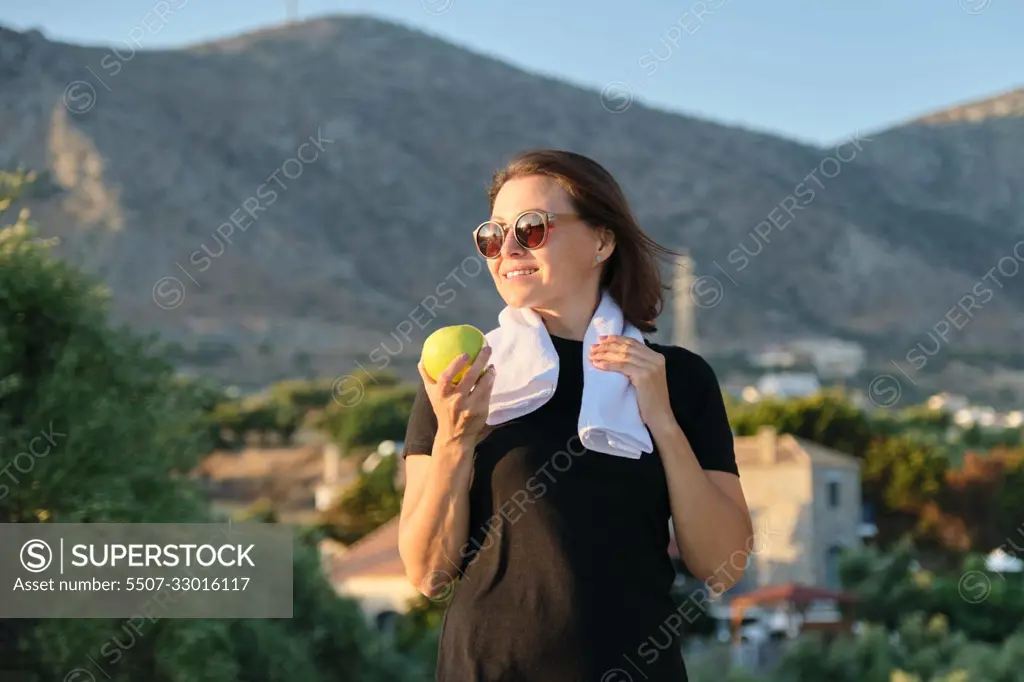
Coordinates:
[571,319]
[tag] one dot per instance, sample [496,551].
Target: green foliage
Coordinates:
[261,511]
[983,606]
[826,418]
[381,415]
[304,395]
[121,430]
[978,437]
[419,628]
[917,627]
[370,503]
[921,650]
[232,421]
[97,391]
[912,418]
[290,404]
[902,473]
[981,500]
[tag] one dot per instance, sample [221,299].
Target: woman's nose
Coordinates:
[511,247]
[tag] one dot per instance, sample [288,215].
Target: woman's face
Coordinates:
[567,263]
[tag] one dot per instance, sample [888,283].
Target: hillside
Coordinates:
[142,164]
[964,160]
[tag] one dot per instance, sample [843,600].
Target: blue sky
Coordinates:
[813,70]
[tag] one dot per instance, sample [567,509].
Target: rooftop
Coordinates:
[769,447]
[375,556]
[285,476]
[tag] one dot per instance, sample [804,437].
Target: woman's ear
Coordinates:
[605,244]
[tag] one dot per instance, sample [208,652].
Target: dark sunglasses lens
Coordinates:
[530,230]
[489,239]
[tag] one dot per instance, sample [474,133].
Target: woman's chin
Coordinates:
[518,297]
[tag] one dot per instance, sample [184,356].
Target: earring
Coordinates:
[599,258]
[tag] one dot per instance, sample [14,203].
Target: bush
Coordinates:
[984,606]
[920,650]
[382,414]
[366,506]
[826,418]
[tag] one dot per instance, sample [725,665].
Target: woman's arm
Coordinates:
[709,513]
[434,522]
[447,421]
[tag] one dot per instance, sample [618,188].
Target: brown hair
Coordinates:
[631,276]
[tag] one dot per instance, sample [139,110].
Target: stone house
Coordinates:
[805,502]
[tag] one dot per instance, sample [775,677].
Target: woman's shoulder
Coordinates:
[682,362]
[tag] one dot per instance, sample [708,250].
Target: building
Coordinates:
[773,357]
[331,483]
[1012,420]
[947,402]
[1001,561]
[805,501]
[297,482]
[975,416]
[831,358]
[788,385]
[372,572]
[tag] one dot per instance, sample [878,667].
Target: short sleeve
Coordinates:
[700,410]
[419,433]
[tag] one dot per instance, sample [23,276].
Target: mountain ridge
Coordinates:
[143,178]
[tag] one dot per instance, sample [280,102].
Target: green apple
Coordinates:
[446,344]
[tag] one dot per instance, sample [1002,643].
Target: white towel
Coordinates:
[526,365]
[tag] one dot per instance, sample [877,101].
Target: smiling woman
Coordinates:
[550,540]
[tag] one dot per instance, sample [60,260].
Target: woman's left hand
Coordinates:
[645,369]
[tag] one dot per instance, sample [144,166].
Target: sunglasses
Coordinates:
[530,229]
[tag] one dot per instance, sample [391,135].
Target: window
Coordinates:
[833,494]
[832,566]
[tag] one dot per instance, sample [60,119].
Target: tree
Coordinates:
[419,628]
[381,415]
[123,431]
[901,473]
[227,425]
[984,606]
[826,418]
[370,503]
[983,497]
[305,395]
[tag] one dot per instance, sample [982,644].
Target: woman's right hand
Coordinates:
[461,409]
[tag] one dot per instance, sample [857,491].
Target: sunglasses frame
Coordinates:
[547,218]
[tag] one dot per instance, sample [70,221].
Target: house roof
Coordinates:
[748,450]
[826,456]
[790,450]
[792,593]
[287,475]
[375,556]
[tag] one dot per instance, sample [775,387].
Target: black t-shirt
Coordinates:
[566,576]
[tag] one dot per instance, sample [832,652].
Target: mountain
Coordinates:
[352,155]
[965,160]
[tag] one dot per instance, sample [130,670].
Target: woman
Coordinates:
[562,574]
